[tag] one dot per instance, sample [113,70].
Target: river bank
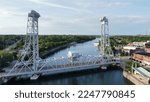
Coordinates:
[135,78]
[56,49]
[47,53]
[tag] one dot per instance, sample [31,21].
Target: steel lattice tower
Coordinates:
[30,53]
[29,56]
[32,33]
[105,47]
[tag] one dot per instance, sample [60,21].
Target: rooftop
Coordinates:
[143,53]
[143,71]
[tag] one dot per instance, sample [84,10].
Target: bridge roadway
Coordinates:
[49,67]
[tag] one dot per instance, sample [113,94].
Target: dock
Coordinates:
[136,78]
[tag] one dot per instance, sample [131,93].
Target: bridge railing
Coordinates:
[55,63]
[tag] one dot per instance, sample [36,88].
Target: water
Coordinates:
[92,77]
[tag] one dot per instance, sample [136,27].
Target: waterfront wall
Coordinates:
[136,79]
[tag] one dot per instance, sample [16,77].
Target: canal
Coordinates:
[91,77]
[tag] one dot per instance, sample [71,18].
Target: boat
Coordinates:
[103,67]
[34,77]
[73,54]
[96,44]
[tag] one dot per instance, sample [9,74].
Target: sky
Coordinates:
[126,17]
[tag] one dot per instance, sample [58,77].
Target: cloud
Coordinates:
[117,4]
[132,19]
[74,16]
[12,19]
[61,25]
[43,2]
[102,4]
[10,12]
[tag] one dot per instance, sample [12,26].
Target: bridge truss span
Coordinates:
[49,66]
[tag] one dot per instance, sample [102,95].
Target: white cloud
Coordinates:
[44,2]
[72,16]
[62,25]
[12,19]
[117,4]
[10,12]
[102,4]
[132,18]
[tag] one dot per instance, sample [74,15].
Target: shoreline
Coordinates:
[59,48]
[54,50]
[135,78]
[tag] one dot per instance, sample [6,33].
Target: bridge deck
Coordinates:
[57,68]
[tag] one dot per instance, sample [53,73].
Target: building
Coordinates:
[139,44]
[142,71]
[142,75]
[147,47]
[136,47]
[132,49]
[142,57]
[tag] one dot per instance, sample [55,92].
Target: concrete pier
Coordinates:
[136,78]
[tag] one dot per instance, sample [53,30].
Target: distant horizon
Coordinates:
[88,34]
[127,17]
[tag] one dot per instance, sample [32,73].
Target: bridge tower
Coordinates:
[32,43]
[105,47]
[29,56]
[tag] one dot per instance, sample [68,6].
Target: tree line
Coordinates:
[117,42]
[46,42]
